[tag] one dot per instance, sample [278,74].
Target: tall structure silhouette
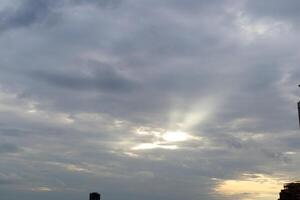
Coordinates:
[94,196]
[291,191]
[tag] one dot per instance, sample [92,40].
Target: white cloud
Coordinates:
[146,146]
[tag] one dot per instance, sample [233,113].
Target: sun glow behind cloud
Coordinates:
[177,130]
[252,29]
[175,136]
[162,139]
[146,146]
[251,186]
[193,115]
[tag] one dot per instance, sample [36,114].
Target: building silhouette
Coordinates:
[291,191]
[94,196]
[299,112]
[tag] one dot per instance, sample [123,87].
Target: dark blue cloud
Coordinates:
[29,12]
[102,79]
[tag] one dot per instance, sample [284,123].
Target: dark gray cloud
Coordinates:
[28,12]
[104,78]
[9,179]
[9,148]
[280,10]
[101,3]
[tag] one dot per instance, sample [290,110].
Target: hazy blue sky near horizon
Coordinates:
[148,99]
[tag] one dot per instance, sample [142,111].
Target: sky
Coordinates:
[148,99]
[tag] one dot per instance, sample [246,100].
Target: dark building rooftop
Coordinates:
[94,196]
[291,191]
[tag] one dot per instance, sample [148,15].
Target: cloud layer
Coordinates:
[148,99]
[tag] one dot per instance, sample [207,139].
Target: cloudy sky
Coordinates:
[148,99]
